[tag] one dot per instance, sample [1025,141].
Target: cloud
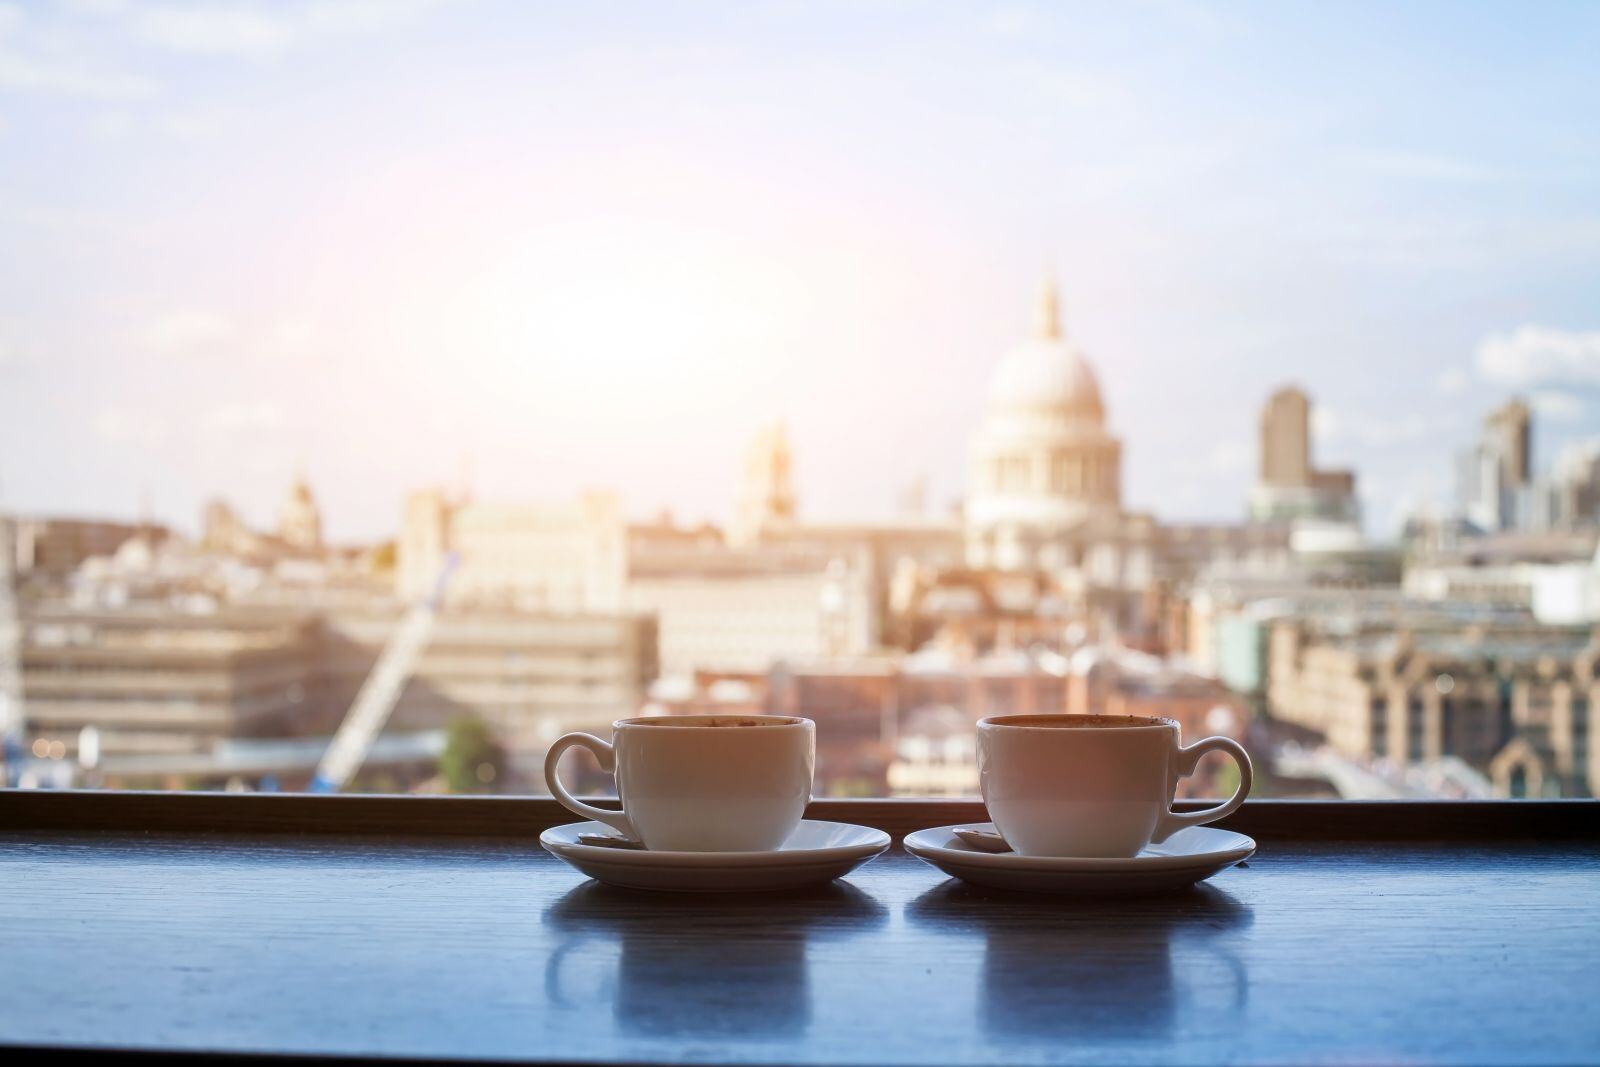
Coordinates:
[180,124]
[1012,21]
[196,123]
[357,16]
[289,339]
[96,7]
[1452,381]
[39,59]
[217,29]
[243,416]
[188,331]
[1541,356]
[124,426]
[1446,241]
[255,29]
[70,75]
[1075,89]
[1558,406]
[1418,166]
[1228,457]
[59,51]
[1377,431]
[1577,459]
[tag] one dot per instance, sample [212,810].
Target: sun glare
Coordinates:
[671,314]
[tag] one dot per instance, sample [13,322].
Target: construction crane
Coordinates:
[381,691]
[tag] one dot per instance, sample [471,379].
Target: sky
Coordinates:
[535,248]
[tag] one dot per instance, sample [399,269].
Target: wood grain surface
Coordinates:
[456,947]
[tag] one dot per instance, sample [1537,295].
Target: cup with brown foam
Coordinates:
[700,783]
[1097,786]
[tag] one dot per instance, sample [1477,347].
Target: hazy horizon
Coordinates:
[562,248]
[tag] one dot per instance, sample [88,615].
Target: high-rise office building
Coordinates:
[1290,487]
[1286,439]
[1494,478]
[1507,434]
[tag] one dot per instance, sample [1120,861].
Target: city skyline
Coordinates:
[252,238]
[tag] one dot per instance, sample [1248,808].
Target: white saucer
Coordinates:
[1188,856]
[816,852]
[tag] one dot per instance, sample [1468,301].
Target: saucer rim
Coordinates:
[918,844]
[875,844]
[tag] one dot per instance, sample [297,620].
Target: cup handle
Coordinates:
[617,820]
[1187,758]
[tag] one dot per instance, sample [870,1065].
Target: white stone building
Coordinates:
[1045,477]
[562,557]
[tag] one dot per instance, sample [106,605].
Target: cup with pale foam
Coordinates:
[700,783]
[1096,786]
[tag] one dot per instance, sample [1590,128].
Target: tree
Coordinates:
[472,760]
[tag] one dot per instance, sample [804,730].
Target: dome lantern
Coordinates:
[1047,315]
[1047,373]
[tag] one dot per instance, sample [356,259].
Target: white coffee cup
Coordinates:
[1092,785]
[700,783]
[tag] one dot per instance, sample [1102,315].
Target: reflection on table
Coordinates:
[1116,968]
[698,966]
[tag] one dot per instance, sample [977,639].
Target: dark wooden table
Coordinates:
[279,937]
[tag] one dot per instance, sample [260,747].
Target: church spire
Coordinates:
[1047,317]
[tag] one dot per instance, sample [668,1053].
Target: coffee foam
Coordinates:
[1078,722]
[697,722]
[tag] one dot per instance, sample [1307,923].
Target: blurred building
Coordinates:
[906,724]
[1508,436]
[979,611]
[935,754]
[1499,490]
[1555,575]
[531,676]
[1044,488]
[298,535]
[155,682]
[766,499]
[54,547]
[768,527]
[771,589]
[897,723]
[745,608]
[1290,487]
[300,522]
[1514,703]
[1228,617]
[1571,493]
[1111,680]
[224,532]
[564,557]
[1045,498]
[158,682]
[1494,476]
[1187,551]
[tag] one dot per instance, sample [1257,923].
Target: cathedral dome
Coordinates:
[1047,372]
[1043,468]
